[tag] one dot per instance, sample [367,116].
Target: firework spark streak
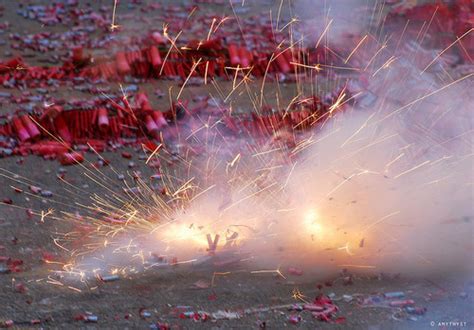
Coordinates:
[371,143]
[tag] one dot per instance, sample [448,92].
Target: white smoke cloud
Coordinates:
[386,185]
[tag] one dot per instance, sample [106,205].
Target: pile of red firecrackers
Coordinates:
[113,119]
[153,57]
[52,133]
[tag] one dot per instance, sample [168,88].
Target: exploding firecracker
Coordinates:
[254,139]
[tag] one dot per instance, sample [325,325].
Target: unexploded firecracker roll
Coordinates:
[234,55]
[143,102]
[31,127]
[71,158]
[20,130]
[282,63]
[48,148]
[155,57]
[244,57]
[151,126]
[62,129]
[123,67]
[103,119]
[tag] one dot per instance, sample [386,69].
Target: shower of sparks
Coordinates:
[236,172]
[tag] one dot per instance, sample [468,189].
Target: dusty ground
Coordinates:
[447,297]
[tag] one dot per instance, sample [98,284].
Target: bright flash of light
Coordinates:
[177,232]
[311,221]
